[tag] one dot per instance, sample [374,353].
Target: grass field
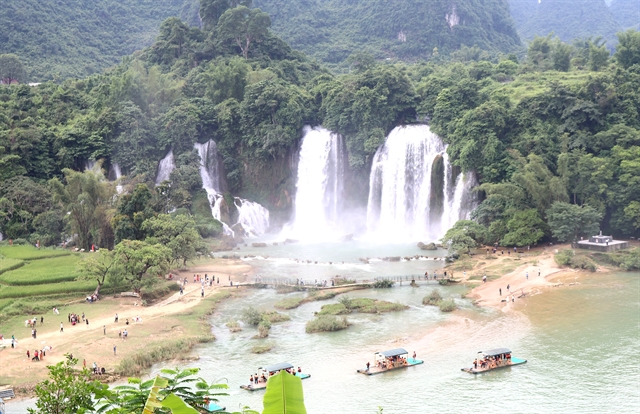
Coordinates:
[10,264]
[25,252]
[36,272]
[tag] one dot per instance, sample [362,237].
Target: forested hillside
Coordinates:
[560,126]
[568,20]
[626,13]
[331,30]
[75,38]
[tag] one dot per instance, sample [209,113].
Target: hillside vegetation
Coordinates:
[332,30]
[571,20]
[57,39]
[560,126]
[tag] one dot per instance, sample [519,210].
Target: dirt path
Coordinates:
[95,342]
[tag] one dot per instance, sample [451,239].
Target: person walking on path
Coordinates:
[116,318]
[500,289]
[114,350]
[61,327]
[508,286]
[484,279]
[41,320]
[35,333]
[538,272]
[527,275]
[104,329]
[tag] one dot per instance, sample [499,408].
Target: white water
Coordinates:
[253,217]
[165,166]
[319,189]
[402,205]
[115,174]
[89,164]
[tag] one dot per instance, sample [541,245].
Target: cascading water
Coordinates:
[253,217]
[89,164]
[415,193]
[319,190]
[114,175]
[165,166]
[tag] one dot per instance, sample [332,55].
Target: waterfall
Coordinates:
[89,164]
[165,166]
[252,217]
[319,189]
[114,175]
[415,193]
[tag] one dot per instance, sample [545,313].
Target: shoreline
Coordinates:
[169,330]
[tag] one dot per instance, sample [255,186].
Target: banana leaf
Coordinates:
[153,401]
[177,405]
[284,395]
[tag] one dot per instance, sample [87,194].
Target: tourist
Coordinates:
[538,272]
[28,354]
[42,317]
[368,366]
[114,349]
[484,279]
[527,275]
[116,320]
[508,287]
[250,380]
[181,291]
[84,363]
[61,327]
[500,289]
[35,333]
[104,329]
[414,355]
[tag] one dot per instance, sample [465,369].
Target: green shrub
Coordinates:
[433,298]
[563,257]
[383,284]
[447,305]
[333,309]
[251,316]
[341,281]
[326,323]
[233,326]
[583,262]
[275,317]
[289,303]
[263,328]
[262,348]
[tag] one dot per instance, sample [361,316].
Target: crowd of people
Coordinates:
[491,362]
[256,379]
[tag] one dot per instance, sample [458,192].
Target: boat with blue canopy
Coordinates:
[386,361]
[493,359]
[258,381]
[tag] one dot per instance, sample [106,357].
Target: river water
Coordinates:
[581,341]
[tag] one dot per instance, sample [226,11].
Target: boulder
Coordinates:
[429,246]
[259,244]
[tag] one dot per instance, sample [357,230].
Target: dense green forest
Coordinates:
[571,20]
[560,126]
[76,38]
[332,30]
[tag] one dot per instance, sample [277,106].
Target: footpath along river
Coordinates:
[581,341]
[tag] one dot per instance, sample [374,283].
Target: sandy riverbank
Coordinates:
[173,318]
[539,264]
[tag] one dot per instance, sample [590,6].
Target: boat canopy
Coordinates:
[497,351]
[393,352]
[278,367]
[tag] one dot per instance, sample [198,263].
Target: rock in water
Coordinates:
[429,246]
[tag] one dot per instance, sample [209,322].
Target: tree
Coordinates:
[569,221]
[133,210]
[100,266]
[525,228]
[244,26]
[178,233]
[211,10]
[141,263]
[134,397]
[463,236]
[66,391]
[628,49]
[11,69]
[21,200]
[598,56]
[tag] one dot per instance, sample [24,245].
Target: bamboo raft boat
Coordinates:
[265,373]
[493,359]
[390,360]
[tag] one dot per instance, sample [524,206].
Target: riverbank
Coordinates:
[167,331]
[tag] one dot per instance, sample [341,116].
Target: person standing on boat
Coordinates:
[414,355]
[368,365]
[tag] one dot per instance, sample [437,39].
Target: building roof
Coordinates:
[278,367]
[497,351]
[393,352]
